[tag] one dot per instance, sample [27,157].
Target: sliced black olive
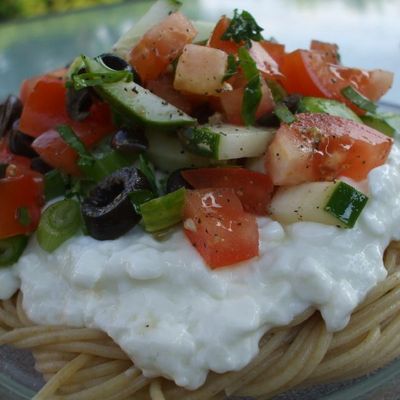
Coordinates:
[202,113]
[176,181]
[20,143]
[3,169]
[119,64]
[10,111]
[78,103]
[130,141]
[107,211]
[37,164]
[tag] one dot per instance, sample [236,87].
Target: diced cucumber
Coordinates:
[164,211]
[326,106]
[133,101]
[331,203]
[226,142]
[158,11]
[385,123]
[167,153]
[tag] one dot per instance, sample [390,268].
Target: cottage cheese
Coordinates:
[179,319]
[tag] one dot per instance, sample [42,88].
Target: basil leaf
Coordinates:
[232,67]
[252,92]
[358,99]
[70,137]
[243,28]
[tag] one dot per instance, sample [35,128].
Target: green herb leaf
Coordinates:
[277,90]
[232,68]
[11,249]
[148,171]
[252,92]
[358,99]
[70,137]
[90,79]
[24,217]
[284,114]
[243,28]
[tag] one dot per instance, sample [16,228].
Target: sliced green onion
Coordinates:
[148,170]
[252,92]
[358,99]
[346,204]
[163,212]
[24,217]
[58,223]
[232,67]
[138,197]
[90,79]
[70,137]
[11,249]
[284,114]
[54,184]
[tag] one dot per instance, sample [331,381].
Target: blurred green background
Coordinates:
[12,9]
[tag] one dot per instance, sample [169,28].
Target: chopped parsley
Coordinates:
[232,67]
[243,28]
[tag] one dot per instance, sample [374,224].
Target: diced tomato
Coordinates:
[308,73]
[231,104]
[217,226]
[322,147]
[253,188]
[329,51]
[53,150]
[275,50]
[28,85]
[266,64]
[215,41]
[163,87]
[200,70]
[21,192]
[161,45]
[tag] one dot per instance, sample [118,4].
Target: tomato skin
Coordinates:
[21,188]
[322,147]
[307,72]
[218,228]
[253,188]
[329,51]
[231,103]
[215,41]
[275,50]
[161,45]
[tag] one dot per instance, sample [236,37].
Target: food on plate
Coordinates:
[199,213]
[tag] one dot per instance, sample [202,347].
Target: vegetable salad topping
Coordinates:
[166,129]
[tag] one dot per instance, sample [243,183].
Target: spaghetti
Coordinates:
[85,364]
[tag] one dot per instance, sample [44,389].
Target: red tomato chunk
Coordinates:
[161,45]
[218,227]
[20,189]
[253,188]
[321,147]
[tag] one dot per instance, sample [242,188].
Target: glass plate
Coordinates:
[32,47]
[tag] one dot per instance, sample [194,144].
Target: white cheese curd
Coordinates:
[177,318]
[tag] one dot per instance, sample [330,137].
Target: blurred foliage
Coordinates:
[11,9]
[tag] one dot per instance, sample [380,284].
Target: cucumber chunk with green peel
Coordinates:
[326,106]
[226,142]
[331,203]
[167,153]
[133,101]
[388,124]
